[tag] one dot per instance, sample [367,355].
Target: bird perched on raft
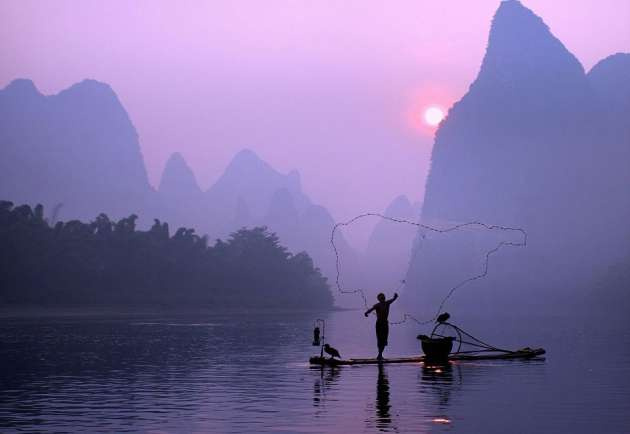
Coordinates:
[443,317]
[332,352]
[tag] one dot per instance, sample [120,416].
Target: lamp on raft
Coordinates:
[316,339]
[319,338]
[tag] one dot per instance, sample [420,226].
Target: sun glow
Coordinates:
[428,107]
[433,116]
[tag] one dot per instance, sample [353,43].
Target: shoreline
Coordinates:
[21,311]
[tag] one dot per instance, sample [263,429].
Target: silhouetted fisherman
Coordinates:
[332,351]
[382,325]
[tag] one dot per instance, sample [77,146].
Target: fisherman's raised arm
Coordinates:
[390,301]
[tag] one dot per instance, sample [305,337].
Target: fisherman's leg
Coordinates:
[381,337]
[384,336]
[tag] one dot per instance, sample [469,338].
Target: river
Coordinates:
[248,372]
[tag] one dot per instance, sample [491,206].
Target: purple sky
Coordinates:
[328,87]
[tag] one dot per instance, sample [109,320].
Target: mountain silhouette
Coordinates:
[179,194]
[251,178]
[309,230]
[387,255]
[313,236]
[508,138]
[250,193]
[283,217]
[609,79]
[178,180]
[77,147]
[534,143]
[251,181]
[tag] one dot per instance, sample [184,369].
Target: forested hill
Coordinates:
[110,263]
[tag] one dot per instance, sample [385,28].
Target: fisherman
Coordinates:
[382,325]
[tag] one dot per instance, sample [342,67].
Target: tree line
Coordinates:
[107,262]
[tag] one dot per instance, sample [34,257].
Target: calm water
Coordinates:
[248,373]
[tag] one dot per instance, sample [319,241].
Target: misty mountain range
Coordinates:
[251,193]
[79,148]
[386,259]
[535,143]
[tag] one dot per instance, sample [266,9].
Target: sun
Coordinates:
[433,116]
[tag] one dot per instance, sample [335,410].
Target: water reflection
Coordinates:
[324,382]
[436,385]
[383,407]
[438,382]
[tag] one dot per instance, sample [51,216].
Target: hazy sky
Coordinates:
[335,89]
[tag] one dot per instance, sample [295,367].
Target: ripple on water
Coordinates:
[190,374]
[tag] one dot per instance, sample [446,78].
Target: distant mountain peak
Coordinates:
[246,157]
[522,47]
[92,85]
[399,207]
[246,153]
[21,87]
[249,176]
[176,158]
[178,178]
[247,163]
[77,147]
[610,77]
[512,15]
[89,91]
[617,60]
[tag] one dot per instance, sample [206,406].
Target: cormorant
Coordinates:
[332,351]
[443,317]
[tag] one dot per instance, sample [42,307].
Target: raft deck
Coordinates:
[520,354]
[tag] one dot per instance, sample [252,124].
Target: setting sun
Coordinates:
[433,116]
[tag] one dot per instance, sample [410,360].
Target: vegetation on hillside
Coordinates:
[111,263]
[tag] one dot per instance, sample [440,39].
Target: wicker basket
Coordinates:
[436,349]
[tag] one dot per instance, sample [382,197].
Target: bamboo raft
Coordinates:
[525,353]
